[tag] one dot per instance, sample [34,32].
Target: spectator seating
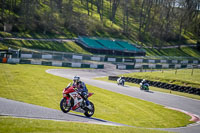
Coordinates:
[91,43]
[108,46]
[128,46]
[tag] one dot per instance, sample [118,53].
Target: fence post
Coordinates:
[192,71]
[176,71]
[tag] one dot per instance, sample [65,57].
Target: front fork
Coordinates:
[67,101]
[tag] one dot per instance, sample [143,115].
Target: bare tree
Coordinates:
[100,8]
[113,6]
[125,16]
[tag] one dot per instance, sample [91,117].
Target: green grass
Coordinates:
[31,84]
[36,35]
[183,51]
[182,77]
[154,89]
[14,125]
[75,48]
[44,45]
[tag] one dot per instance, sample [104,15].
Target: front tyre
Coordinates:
[64,106]
[89,112]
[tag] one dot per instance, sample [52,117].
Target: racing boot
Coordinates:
[88,105]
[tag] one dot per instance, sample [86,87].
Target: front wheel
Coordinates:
[64,106]
[141,88]
[89,112]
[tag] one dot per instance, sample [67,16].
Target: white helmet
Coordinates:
[76,79]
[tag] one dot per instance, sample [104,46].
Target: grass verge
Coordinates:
[31,84]
[13,125]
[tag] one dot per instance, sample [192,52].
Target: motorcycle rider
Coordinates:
[120,80]
[82,89]
[144,83]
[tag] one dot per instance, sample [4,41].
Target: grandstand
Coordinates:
[111,47]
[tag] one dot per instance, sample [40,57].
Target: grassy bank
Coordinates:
[11,125]
[183,77]
[69,46]
[182,51]
[31,84]
[154,89]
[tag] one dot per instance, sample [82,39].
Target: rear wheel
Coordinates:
[64,106]
[89,112]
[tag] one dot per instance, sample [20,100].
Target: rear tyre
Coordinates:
[64,106]
[88,112]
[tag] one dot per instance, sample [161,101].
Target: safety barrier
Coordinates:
[122,63]
[174,87]
[54,63]
[156,66]
[62,56]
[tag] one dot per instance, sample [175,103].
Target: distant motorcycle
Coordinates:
[120,81]
[144,86]
[72,100]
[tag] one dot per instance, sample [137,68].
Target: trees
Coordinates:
[100,8]
[154,21]
[113,9]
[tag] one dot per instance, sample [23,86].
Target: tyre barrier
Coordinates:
[61,55]
[174,87]
[54,63]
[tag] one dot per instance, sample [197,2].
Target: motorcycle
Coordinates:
[72,100]
[121,82]
[144,86]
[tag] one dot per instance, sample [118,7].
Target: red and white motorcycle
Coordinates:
[72,100]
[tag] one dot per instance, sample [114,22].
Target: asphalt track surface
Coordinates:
[24,110]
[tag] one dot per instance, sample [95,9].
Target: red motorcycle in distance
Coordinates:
[72,100]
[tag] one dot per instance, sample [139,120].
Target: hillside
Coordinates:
[147,23]
[72,47]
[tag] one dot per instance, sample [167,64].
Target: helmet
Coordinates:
[76,78]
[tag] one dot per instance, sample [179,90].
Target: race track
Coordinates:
[186,104]
[24,110]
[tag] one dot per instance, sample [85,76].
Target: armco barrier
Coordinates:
[156,66]
[37,56]
[57,57]
[100,66]
[13,61]
[66,64]
[129,66]
[47,63]
[85,65]
[36,62]
[23,61]
[186,89]
[56,63]
[145,60]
